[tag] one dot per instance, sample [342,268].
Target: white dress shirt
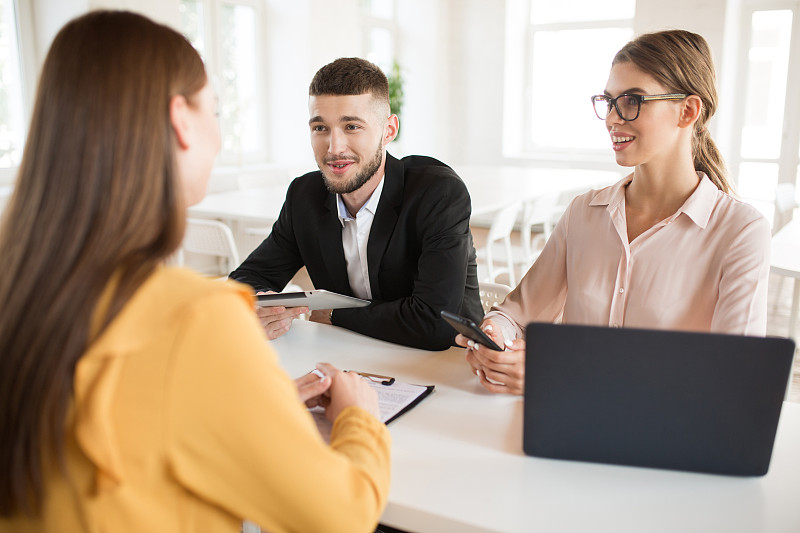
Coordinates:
[705,268]
[355,236]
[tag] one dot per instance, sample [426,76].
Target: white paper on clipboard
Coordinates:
[316,299]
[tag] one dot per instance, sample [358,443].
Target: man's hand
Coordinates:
[277,320]
[323,316]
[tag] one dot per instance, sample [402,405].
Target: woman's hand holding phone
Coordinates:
[498,371]
[469,330]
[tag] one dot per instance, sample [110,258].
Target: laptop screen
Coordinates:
[665,399]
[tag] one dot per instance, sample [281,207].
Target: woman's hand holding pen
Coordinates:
[501,372]
[334,390]
[312,387]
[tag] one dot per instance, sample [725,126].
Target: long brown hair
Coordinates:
[96,196]
[682,62]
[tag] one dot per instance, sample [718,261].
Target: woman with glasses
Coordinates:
[134,396]
[667,247]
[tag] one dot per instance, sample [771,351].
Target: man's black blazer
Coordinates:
[420,253]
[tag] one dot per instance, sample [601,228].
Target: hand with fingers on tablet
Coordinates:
[277,320]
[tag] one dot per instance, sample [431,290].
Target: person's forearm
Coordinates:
[399,323]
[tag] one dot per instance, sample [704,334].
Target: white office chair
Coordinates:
[261,179]
[536,212]
[492,294]
[500,231]
[785,204]
[564,198]
[210,238]
[249,527]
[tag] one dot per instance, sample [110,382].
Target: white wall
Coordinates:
[477,44]
[706,17]
[307,34]
[48,16]
[290,69]
[717,21]
[304,35]
[426,59]
[451,52]
[163,11]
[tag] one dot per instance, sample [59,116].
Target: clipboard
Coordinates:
[395,398]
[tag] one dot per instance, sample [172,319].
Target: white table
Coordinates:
[5,194]
[490,188]
[259,206]
[493,187]
[785,261]
[457,461]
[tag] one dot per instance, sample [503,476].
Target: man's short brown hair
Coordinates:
[350,76]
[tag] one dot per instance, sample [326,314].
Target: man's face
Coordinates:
[348,136]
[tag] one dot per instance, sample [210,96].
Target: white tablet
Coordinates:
[318,299]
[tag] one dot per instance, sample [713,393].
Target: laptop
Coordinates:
[699,402]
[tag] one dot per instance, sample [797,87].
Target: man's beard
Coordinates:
[359,179]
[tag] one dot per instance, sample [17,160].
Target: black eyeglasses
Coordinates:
[627,105]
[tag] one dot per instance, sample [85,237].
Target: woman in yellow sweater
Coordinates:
[135,397]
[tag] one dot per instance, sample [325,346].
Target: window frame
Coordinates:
[370,22]
[788,159]
[23,15]
[525,146]
[212,31]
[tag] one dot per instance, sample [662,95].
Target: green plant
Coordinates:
[395,78]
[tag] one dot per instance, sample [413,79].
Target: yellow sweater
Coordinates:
[183,420]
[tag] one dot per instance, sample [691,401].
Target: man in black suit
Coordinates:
[395,232]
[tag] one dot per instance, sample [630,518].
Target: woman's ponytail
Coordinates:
[708,159]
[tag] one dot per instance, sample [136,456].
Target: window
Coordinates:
[765,147]
[226,33]
[192,23]
[379,32]
[566,55]
[12,121]
[380,44]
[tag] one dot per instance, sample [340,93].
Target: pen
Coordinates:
[383,380]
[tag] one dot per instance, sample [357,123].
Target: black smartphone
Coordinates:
[470,330]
